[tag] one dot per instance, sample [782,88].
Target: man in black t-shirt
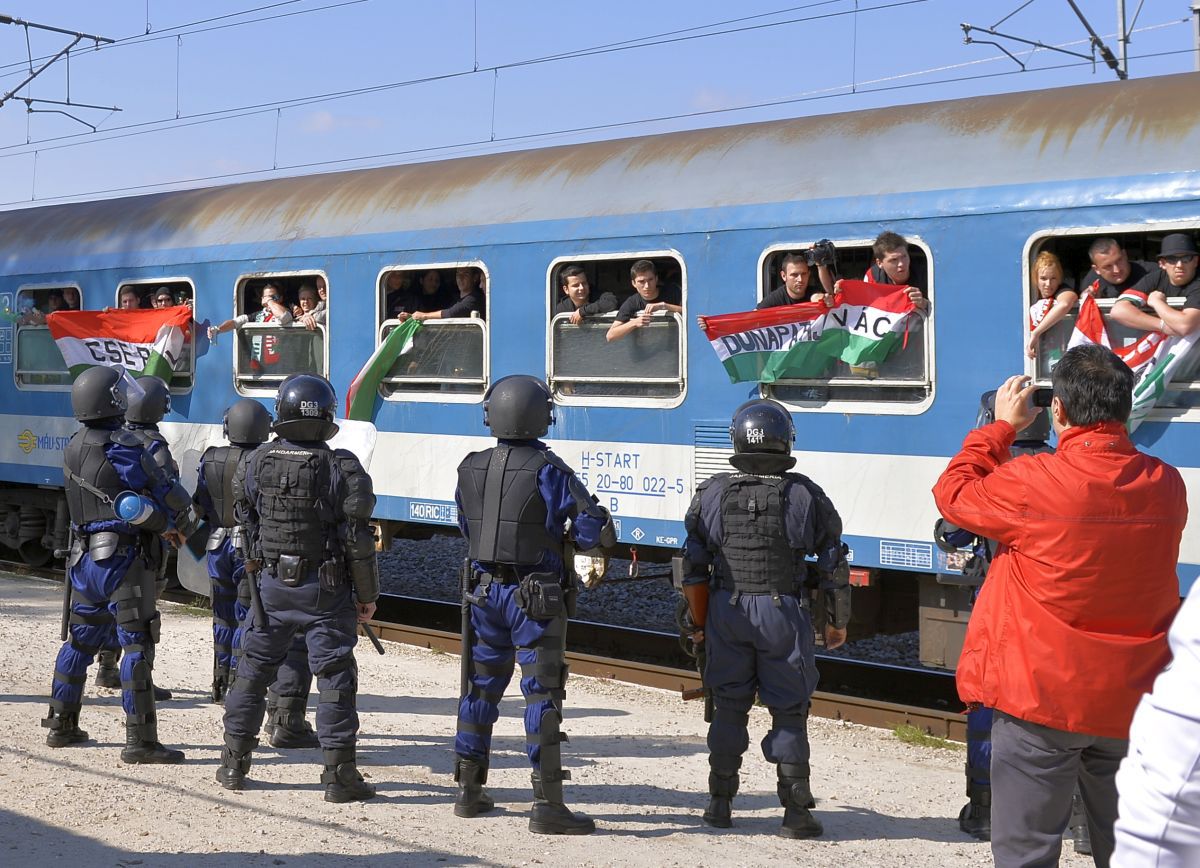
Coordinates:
[1176,276]
[1114,273]
[638,310]
[470,301]
[794,272]
[578,296]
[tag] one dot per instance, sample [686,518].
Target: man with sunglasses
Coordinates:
[1178,261]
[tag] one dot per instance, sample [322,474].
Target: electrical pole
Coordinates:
[1122,36]
[1196,31]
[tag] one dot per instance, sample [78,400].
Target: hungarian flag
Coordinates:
[865,324]
[360,398]
[1154,358]
[143,342]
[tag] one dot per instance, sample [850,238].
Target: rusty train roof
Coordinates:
[1145,126]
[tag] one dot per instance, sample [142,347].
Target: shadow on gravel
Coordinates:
[448,707]
[29,841]
[852,823]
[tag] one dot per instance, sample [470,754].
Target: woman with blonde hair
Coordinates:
[1054,300]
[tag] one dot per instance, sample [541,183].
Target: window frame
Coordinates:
[269,392]
[1158,414]
[33,287]
[158,281]
[400,395]
[864,407]
[551,301]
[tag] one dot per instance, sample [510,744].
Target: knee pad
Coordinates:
[547,668]
[141,686]
[549,739]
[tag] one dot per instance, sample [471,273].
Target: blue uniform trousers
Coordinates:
[225,570]
[327,622]
[765,645]
[503,632]
[114,596]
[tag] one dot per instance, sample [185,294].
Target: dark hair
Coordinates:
[641,267]
[569,272]
[793,256]
[1094,385]
[1102,245]
[886,242]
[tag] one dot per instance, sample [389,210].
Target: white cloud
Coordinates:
[326,122]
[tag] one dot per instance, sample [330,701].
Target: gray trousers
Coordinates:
[1034,771]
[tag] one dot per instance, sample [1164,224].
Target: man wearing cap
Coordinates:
[1177,262]
[163,298]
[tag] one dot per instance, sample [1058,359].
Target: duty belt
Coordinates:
[499,574]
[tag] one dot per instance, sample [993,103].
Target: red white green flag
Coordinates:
[865,323]
[143,342]
[360,397]
[1154,358]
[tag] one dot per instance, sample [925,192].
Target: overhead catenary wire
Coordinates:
[464,148]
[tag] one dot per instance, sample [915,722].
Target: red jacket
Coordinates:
[1070,627]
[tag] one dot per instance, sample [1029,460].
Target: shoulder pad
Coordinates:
[554,461]
[347,460]
[125,437]
[716,477]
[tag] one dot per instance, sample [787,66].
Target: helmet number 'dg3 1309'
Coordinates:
[310,408]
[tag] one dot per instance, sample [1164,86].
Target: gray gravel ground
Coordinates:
[429,569]
[637,756]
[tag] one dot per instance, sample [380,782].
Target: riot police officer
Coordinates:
[305,509]
[149,400]
[514,500]
[246,425]
[975,818]
[745,573]
[110,566]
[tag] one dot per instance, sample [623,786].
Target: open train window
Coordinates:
[447,359]
[595,355]
[280,328]
[159,293]
[1066,253]
[39,364]
[902,381]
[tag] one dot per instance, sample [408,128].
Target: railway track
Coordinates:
[872,694]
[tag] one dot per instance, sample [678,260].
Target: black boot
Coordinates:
[220,685]
[976,816]
[64,728]
[795,796]
[722,787]
[142,744]
[235,762]
[1081,835]
[342,781]
[289,728]
[108,672]
[549,815]
[472,798]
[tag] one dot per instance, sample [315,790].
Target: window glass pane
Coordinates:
[585,364]
[39,363]
[267,354]
[446,356]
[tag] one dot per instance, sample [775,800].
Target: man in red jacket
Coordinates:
[1071,626]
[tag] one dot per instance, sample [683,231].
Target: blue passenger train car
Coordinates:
[977,186]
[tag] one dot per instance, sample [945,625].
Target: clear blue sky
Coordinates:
[214,75]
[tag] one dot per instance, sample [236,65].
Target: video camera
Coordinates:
[822,253]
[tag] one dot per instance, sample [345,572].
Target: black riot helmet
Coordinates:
[98,393]
[304,408]
[247,422]
[762,433]
[149,400]
[518,407]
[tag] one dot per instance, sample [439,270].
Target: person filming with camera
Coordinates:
[1071,626]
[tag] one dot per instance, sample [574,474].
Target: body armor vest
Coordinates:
[84,457]
[295,501]
[159,450]
[756,556]
[505,512]
[219,463]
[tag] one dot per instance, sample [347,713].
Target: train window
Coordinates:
[1068,254]
[280,329]
[904,378]
[449,352]
[591,358]
[39,364]
[158,293]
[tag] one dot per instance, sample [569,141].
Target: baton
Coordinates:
[371,635]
